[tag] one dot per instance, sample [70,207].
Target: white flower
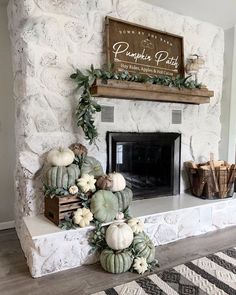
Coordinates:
[87,183]
[136,225]
[140,265]
[119,216]
[82,217]
[73,190]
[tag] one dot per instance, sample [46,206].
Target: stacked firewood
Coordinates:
[212,179]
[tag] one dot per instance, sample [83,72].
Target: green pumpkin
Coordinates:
[92,166]
[62,177]
[116,261]
[124,198]
[104,206]
[144,247]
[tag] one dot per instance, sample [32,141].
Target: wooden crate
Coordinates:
[58,207]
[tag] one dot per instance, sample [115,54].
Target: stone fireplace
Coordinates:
[150,162]
[50,39]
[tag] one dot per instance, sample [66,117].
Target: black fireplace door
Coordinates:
[150,162]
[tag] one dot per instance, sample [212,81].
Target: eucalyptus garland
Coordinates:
[87,106]
[97,237]
[52,192]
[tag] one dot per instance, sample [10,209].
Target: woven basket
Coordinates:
[202,183]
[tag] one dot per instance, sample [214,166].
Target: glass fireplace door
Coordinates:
[147,161]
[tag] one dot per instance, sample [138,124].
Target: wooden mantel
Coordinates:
[151,92]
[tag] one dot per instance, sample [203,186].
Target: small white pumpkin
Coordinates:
[140,265]
[120,216]
[60,157]
[87,183]
[118,182]
[136,225]
[73,190]
[82,217]
[119,236]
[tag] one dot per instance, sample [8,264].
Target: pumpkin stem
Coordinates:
[119,251]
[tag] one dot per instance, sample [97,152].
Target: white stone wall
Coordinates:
[50,38]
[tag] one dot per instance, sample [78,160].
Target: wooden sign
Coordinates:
[142,50]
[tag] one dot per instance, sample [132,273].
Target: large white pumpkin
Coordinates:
[60,157]
[119,236]
[118,182]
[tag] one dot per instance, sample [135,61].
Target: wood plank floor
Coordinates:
[16,280]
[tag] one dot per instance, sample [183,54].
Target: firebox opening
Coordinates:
[150,162]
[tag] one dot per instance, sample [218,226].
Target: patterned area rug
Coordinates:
[214,274]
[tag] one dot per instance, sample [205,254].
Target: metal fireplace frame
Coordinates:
[174,139]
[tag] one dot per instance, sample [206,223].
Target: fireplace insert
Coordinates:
[150,162]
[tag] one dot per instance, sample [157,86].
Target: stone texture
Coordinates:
[40,143]
[189,222]
[30,161]
[43,31]
[48,253]
[165,234]
[71,8]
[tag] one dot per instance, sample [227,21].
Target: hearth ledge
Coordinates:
[49,249]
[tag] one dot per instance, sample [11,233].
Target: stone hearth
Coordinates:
[49,249]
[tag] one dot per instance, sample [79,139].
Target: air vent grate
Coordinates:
[176,117]
[107,114]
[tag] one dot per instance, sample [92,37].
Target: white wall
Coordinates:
[228,103]
[7,145]
[232,121]
[226,95]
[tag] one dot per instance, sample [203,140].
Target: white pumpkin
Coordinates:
[140,265]
[73,190]
[118,182]
[60,157]
[120,216]
[82,217]
[87,183]
[119,236]
[136,225]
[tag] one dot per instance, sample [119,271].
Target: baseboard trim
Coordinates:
[7,225]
